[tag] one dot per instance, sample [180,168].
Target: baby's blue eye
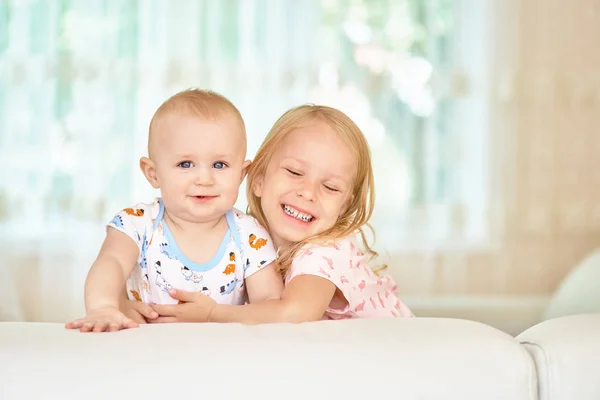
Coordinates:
[219,165]
[185,164]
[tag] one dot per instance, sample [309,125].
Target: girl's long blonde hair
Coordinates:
[357,214]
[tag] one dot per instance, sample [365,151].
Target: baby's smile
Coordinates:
[203,198]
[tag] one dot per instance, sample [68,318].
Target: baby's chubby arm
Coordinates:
[107,276]
[105,283]
[264,284]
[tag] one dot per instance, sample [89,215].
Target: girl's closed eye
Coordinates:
[185,164]
[331,188]
[293,172]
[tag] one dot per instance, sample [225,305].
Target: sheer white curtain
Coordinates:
[80,80]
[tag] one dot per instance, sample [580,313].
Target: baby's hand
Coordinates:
[102,319]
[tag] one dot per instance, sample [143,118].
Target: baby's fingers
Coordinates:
[88,326]
[123,323]
[128,323]
[78,323]
[100,326]
[114,327]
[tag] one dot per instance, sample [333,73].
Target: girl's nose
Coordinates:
[307,190]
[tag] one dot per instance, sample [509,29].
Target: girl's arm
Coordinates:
[304,299]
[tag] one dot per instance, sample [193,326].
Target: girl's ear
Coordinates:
[149,170]
[257,188]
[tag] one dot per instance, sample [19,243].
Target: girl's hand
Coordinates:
[136,310]
[108,319]
[194,307]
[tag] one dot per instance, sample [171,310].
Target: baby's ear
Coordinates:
[149,170]
[245,167]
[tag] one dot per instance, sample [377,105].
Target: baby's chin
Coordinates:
[193,216]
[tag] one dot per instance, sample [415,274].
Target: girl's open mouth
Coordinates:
[292,212]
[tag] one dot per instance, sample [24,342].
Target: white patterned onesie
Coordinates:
[246,247]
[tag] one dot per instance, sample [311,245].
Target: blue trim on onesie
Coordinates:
[186,261]
[159,217]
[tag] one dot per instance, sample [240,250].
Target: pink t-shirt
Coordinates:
[343,263]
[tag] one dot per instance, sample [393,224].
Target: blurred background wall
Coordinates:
[483,118]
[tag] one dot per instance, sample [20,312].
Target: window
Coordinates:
[81,80]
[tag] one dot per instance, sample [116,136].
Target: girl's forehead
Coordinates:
[316,137]
[320,150]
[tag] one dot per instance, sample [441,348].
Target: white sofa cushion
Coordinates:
[579,292]
[362,359]
[567,355]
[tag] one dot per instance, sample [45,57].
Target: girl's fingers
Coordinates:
[145,310]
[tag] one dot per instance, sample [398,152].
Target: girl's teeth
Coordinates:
[297,214]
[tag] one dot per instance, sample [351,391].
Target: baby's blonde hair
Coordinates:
[207,104]
[357,214]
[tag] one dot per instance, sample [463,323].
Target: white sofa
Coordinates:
[422,358]
[566,352]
